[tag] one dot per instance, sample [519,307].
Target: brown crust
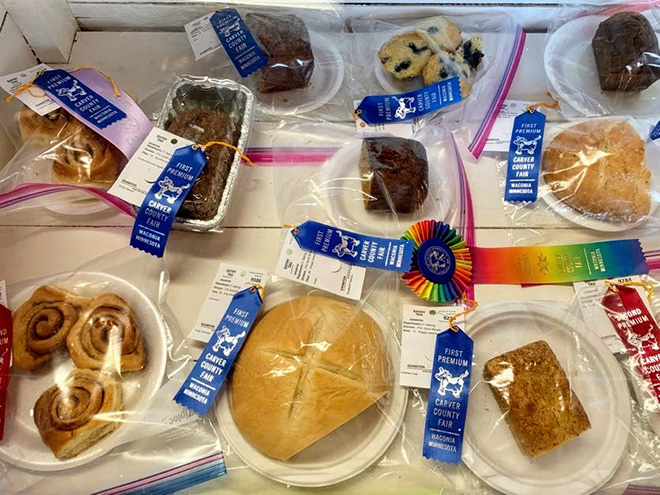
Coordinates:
[533,393]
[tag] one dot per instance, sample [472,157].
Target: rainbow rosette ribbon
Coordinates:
[441,268]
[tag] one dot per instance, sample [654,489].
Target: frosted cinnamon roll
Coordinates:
[41,325]
[42,129]
[74,415]
[107,336]
[84,157]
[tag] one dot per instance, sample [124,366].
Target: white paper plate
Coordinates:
[592,221]
[326,80]
[340,186]
[365,438]
[22,444]
[578,467]
[570,65]
[73,203]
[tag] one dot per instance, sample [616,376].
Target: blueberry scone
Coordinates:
[472,52]
[405,56]
[440,34]
[444,65]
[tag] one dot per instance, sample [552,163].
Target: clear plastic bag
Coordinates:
[602,58]
[93,375]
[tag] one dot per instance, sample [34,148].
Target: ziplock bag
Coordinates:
[484,51]
[91,385]
[602,58]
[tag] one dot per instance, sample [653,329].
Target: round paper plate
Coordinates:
[326,80]
[340,186]
[73,203]
[593,222]
[364,439]
[22,444]
[570,66]
[579,466]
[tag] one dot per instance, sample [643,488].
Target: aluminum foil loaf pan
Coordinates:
[203,109]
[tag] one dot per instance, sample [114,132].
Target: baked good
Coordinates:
[203,125]
[308,366]
[472,51]
[599,168]
[536,399]
[84,157]
[74,415]
[444,65]
[395,174]
[107,336]
[41,325]
[284,39]
[405,56]
[626,51]
[41,129]
[440,34]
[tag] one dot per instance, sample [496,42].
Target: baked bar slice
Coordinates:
[395,174]
[535,396]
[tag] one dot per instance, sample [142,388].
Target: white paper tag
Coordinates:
[420,326]
[590,296]
[202,37]
[499,138]
[406,129]
[40,103]
[229,280]
[3,294]
[143,169]
[319,271]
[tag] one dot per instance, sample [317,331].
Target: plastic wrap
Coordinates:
[93,375]
[483,50]
[602,58]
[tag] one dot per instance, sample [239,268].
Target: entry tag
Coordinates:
[385,109]
[356,249]
[39,103]
[207,377]
[238,42]
[522,175]
[655,132]
[161,204]
[448,397]
[638,331]
[6,327]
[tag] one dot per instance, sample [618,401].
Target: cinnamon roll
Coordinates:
[107,336]
[41,129]
[74,415]
[41,325]
[84,157]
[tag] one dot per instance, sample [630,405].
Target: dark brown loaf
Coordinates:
[534,395]
[284,39]
[395,174]
[627,55]
[202,126]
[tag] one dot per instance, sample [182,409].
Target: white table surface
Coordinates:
[32,245]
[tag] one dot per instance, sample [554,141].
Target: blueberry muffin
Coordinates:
[440,34]
[444,65]
[405,56]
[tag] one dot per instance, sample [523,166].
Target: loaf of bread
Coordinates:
[395,174]
[536,399]
[599,168]
[308,366]
[626,51]
[284,39]
[202,126]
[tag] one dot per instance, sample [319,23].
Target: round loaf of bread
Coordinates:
[599,168]
[309,365]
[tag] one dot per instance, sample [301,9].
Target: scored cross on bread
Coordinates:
[309,366]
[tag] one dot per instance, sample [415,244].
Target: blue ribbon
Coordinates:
[158,211]
[448,397]
[655,132]
[79,98]
[386,109]
[522,176]
[355,249]
[238,42]
[207,377]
